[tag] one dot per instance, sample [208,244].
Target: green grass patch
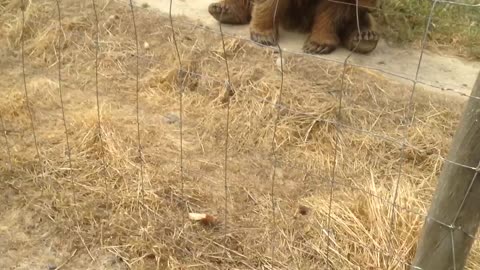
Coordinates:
[454,27]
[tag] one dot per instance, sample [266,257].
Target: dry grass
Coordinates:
[105,203]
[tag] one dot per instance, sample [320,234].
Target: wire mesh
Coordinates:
[409,119]
[338,131]
[333,180]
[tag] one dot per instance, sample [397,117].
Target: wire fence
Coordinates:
[334,181]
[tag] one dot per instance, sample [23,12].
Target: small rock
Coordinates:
[113,17]
[278,62]
[115,259]
[51,267]
[171,118]
[303,210]
[204,219]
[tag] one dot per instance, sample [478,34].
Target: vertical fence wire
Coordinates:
[274,135]
[25,89]
[338,133]
[452,238]
[228,93]
[62,104]
[180,76]
[408,120]
[137,92]
[7,144]
[453,225]
[470,186]
[99,121]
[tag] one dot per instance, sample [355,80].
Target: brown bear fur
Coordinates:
[329,22]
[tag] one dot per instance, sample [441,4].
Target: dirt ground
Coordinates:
[92,200]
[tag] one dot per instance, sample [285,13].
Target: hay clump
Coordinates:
[136,206]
